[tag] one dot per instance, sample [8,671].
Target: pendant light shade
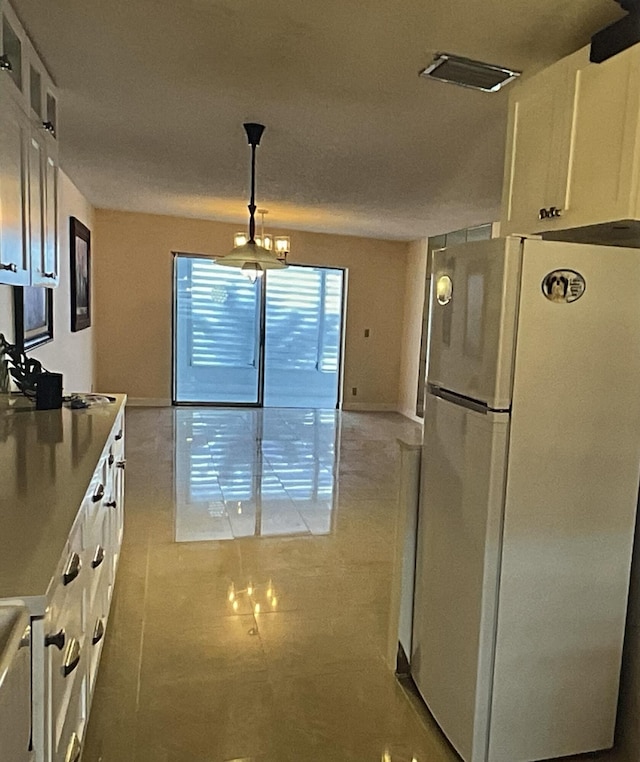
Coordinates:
[250,257]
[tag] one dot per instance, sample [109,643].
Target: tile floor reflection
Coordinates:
[242,473]
[257,648]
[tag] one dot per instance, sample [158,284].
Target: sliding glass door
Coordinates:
[275,343]
[217,347]
[303,337]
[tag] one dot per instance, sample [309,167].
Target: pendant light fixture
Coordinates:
[250,257]
[280,244]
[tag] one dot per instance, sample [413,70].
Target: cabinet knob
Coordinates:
[111,504]
[12,267]
[5,63]
[71,657]
[118,436]
[98,632]
[25,640]
[98,558]
[111,459]
[72,569]
[121,464]
[550,214]
[58,640]
[73,750]
[49,275]
[49,127]
[98,494]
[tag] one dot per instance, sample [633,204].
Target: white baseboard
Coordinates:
[370,407]
[148,402]
[411,416]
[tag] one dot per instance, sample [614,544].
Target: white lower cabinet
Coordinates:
[69,626]
[15,685]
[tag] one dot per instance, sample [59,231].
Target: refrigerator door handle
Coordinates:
[458,399]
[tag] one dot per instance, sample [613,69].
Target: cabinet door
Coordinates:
[14,255]
[12,52]
[602,172]
[44,220]
[37,154]
[538,149]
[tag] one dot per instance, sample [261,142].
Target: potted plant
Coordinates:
[24,370]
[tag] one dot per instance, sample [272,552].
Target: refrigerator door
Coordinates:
[459,536]
[474,298]
[570,503]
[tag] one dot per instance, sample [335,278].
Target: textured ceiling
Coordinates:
[154,94]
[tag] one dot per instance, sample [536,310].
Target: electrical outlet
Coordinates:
[366,333]
[354,391]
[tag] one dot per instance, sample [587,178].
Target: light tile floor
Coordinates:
[289,510]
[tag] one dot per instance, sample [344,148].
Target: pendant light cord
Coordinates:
[252,203]
[254,133]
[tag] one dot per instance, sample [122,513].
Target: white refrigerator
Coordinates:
[530,471]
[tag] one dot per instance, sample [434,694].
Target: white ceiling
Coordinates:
[154,94]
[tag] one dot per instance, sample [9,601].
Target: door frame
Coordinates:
[262,334]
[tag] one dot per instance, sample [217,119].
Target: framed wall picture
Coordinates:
[33,315]
[80,238]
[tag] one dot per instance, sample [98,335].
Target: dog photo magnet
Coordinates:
[563,286]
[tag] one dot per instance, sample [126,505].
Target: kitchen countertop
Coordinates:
[47,461]
[10,617]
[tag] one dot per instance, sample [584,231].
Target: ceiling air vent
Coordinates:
[468,73]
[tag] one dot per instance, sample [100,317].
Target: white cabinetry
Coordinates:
[573,146]
[15,266]
[62,519]
[15,685]
[29,240]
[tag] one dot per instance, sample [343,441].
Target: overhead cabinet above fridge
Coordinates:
[572,164]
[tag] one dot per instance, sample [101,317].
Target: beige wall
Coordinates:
[412,326]
[133,299]
[69,353]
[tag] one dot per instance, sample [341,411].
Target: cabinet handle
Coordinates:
[12,267]
[58,640]
[49,127]
[72,570]
[49,275]
[111,459]
[98,494]
[111,504]
[98,633]
[121,464]
[25,640]
[118,436]
[550,214]
[5,63]
[73,750]
[71,657]
[98,558]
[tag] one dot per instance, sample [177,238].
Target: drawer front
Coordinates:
[69,728]
[15,704]
[67,588]
[98,629]
[97,496]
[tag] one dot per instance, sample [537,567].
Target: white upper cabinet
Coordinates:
[13,52]
[572,146]
[539,128]
[15,264]
[29,224]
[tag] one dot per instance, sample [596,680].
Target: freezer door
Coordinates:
[474,298]
[459,536]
